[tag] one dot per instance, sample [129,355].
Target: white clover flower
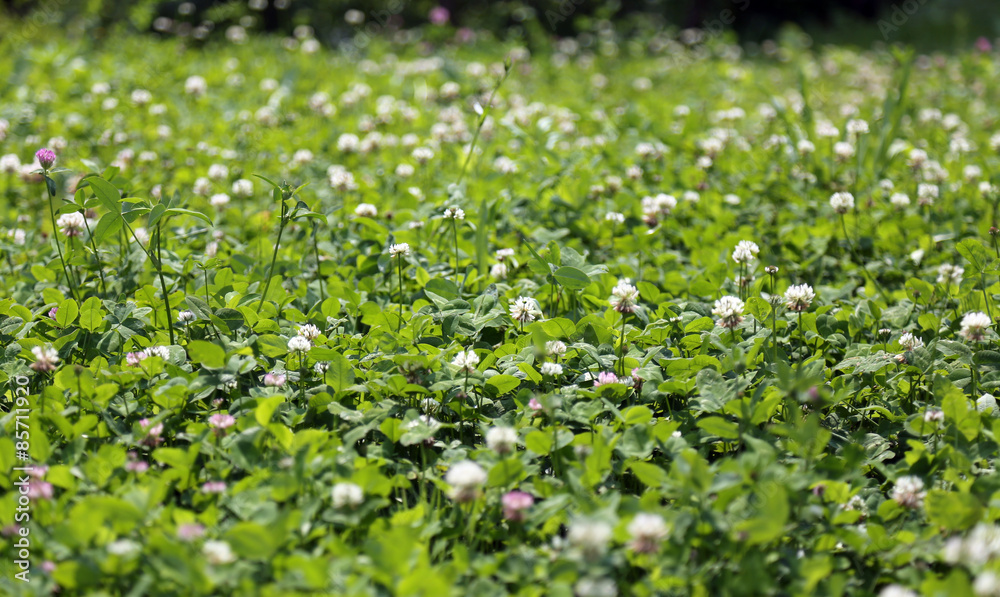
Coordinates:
[454,213]
[729,310]
[910,342]
[501,440]
[141,97]
[595,587]
[399,250]
[299,344]
[348,143]
[422,155]
[897,591]
[551,369]
[499,270]
[799,297]
[987,584]
[10,164]
[909,492]
[186,316]
[987,404]
[219,200]
[202,186]
[524,310]
[589,536]
[465,478]
[158,351]
[347,495]
[502,254]
[974,326]
[466,360]
[218,552]
[899,200]
[195,85]
[365,210]
[341,179]
[614,217]
[71,224]
[302,157]
[732,199]
[19,236]
[243,188]
[647,531]
[805,147]
[555,348]
[950,274]
[218,172]
[309,331]
[843,150]
[916,158]
[624,297]
[927,193]
[980,546]
[745,251]
[404,170]
[933,415]
[857,127]
[842,202]
[46,358]
[124,548]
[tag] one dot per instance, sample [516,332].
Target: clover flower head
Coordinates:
[842,202]
[909,492]
[798,297]
[624,297]
[524,309]
[974,326]
[466,478]
[745,251]
[729,310]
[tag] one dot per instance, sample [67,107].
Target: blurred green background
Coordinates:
[925,24]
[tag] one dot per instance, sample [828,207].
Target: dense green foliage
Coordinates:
[221,412]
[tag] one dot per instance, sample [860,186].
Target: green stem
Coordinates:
[621,347]
[163,283]
[319,277]
[274,258]
[399,260]
[454,226]
[100,264]
[55,240]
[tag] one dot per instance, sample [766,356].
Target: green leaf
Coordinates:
[538,442]
[340,375]
[253,541]
[67,313]
[952,510]
[106,192]
[109,225]
[977,256]
[206,354]
[650,474]
[719,426]
[502,384]
[92,314]
[769,523]
[506,472]
[759,308]
[637,415]
[571,278]
[265,409]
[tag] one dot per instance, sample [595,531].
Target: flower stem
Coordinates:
[163,284]
[399,267]
[274,258]
[55,240]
